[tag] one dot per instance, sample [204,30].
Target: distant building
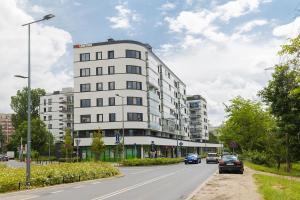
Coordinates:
[7,127]
[198,118]
[56,110]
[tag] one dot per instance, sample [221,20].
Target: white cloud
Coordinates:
[247,27]
[48,44]
[289,30]
[38,9]
[125,17]
[77,3]
[168,6]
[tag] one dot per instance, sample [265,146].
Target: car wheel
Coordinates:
[185,163]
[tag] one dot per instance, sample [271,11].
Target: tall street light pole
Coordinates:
[46,17]
[123,131]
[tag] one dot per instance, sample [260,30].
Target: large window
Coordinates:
[99,71]
[99,102]
[134,101]
[85,87]
[112,117]
[85,103]
[111,101]
[134,85]
[131,69]
[111,69]
[99,86]
[111,85]
[99,55]
[85,118]
[194,105]
[110,54]
[85,72]
[99,117]
[84,57]
[134,116]
[133,54]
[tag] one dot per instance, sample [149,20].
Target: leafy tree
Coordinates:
[39,136]
[97,144]
[248,124]
[19,105]
[118,151]
[68,144]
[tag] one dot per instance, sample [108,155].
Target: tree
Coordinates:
[1,139]
[68,144]
[282,94]
[97,144]
[39,136]
[248,124]
[19,105]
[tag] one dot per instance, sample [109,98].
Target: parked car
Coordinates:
[192,158]
[212,158]
[231,163]
[3,158]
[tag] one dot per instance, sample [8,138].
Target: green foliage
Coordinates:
[35,155]
[55,174]
[248,124]
[67,147]
[260,158]
[97,144]
[118,150]
[277,188]
[151,161]
[39,136]
[19,105]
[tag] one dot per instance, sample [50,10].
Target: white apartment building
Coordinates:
[198,118]
[56,110]
[112,75]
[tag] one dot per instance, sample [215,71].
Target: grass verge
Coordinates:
[151,161]
[276,188]
[295,171]
[12,179]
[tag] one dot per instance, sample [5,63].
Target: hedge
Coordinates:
[12,179]
[151,161]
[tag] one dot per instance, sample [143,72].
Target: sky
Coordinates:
[219,48]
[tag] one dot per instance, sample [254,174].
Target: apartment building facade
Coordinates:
[7,127]
[115,76]
[56,110]
[198,118]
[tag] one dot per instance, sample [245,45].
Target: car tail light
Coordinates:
[221,162]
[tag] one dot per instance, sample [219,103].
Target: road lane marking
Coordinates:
[58,191]
[79,186]
[94,183]
[134,186]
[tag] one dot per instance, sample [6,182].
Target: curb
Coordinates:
[200,186]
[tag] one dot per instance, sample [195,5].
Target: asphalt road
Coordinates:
[170,182]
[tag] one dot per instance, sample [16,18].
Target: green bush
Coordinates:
[151,161]
[260,158]
[52,174]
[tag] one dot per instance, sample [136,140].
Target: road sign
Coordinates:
[152,146]
[233,144]
[117,138]
[77,141]
[181,143]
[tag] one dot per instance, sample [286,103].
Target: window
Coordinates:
[85,87]
[45,102]
[169,75]
[84,57]
[99,117]
[112,117]
[99,55]
[133,54]
[135,116]
[99,71]
[130,69]
[45,118]
[111,101]
[134,85]
[45,110]
[194,105]
[85,118]
[85,72]
[49,101]
[111,85]
[111,69]
[99,86]
[49,126]
[85,103]
[134,101]
[50,117]
[99,102]
[49,109]
[110,54]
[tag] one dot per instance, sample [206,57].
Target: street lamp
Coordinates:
[123,134]
[46,17]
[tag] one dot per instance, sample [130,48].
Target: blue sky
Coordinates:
[218,47]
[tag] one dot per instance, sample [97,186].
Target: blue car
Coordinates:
[192,158]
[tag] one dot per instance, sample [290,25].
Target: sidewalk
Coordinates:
[229,186]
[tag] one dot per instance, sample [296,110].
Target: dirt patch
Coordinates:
[229,186]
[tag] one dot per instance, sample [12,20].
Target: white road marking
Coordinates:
[58,191]
[94,183]
[134,186]
[79,186]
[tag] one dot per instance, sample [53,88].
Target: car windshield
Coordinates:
[192,155]
[212,155]
[229,158]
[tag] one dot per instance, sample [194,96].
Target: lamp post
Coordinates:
[46,17]
[123,131]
